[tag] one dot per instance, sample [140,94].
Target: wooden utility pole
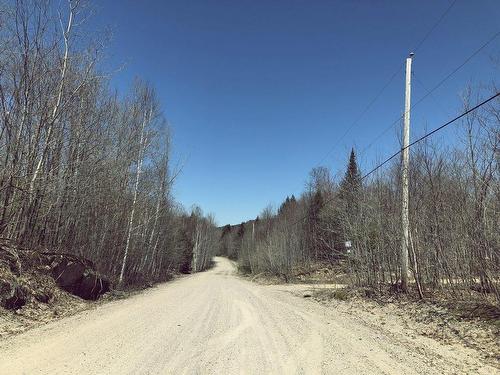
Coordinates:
[405,220]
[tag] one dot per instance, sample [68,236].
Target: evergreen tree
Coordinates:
[241,230]
[350,186]
[225,240]
[226,230]
[237,240]
[287,207]
[313,224]
[349,198]
[284,206]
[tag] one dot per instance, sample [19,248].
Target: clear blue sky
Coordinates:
[258,92]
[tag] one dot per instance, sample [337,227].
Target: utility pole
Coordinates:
[405,220]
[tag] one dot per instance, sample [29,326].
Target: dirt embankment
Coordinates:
[37,287]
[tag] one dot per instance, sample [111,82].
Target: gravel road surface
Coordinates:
[217,323]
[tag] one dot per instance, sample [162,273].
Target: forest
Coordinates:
[116,115]
[454,218]
[84,169]
[87,170]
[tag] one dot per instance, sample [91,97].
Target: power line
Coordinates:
[493,37]
[377,96]
[431,132]
[415,142]
[367,108]
[439,84]
[424,86]
[428,93]
[433,27]
[355,122]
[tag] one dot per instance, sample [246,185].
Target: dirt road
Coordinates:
[217,323]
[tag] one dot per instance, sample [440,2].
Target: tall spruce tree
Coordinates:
[313,224]
[350,196]
[350,186]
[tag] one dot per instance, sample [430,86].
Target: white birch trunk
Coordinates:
[56,105]
[134,201]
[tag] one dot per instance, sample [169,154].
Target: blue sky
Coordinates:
[258,92]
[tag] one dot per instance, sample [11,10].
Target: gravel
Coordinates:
[216,323]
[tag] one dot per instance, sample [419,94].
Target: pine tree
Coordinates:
[226,230]
[241,231]
[313,223]
[284,206]
[287,207]
[349,197]
[350,186]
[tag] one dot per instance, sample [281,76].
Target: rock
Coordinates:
[72,273]
[78,277]
[92,286]
[68,274]
[12,295]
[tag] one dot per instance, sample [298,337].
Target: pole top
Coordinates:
[411,54]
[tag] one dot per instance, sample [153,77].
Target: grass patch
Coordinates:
[340,294]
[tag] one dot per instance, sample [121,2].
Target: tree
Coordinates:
[313,226]
[83,169]
[204,238]
[146,103]
[349,197]
[225,240]
[350,186]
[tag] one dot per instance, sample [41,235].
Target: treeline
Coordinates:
[84,170]
[454,217]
